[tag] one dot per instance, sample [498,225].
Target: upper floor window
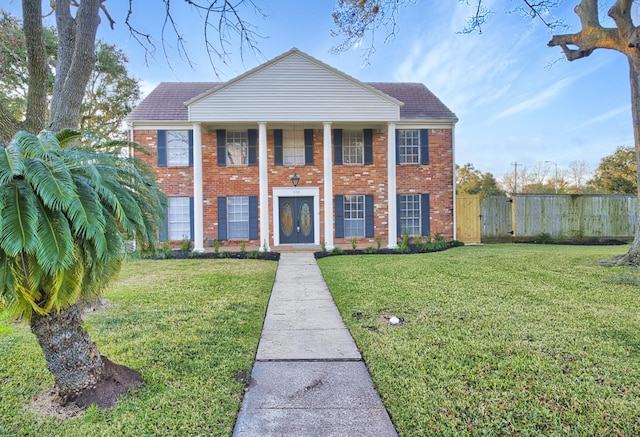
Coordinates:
[352,147]
[237,148]
[409,146]
[177,148]
[293,147]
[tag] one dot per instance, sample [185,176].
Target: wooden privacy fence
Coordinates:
[529,216]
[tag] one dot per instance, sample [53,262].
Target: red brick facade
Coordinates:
[435,179]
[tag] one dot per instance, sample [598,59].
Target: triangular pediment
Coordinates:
[293,87]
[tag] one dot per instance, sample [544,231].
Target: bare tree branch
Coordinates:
[223,28]
[355,19]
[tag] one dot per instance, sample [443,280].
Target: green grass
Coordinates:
[191,327]
[498,339]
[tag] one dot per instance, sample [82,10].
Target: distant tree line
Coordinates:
[616,174]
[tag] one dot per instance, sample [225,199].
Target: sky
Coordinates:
[517,100]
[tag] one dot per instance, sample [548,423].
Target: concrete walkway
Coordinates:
[309,378]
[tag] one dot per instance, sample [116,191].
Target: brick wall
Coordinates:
[435,179]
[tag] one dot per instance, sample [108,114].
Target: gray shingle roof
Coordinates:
[166,101]
[419,102]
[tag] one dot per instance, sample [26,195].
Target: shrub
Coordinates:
[185,244]
[216,245]
[354,243]
[337,251]
[323,246]
[225,254]
[243,246]
[370,249]
[378,242]
[166,250]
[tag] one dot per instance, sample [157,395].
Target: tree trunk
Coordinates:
[37,66]
[76,59]
[71,356]
[632,257]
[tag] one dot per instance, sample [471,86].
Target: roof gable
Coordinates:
[294,87]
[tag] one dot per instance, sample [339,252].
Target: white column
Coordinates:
[264,187]
[198,198]
[392,211]
[328,187]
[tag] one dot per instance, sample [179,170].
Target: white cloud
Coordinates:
[625,109]
[538,101]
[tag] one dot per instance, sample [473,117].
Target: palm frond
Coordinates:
[51,181]
[67,137]
[55,250]
[19,219]
[84,211]
[11,163]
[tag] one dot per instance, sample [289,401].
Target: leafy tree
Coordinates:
[617,172]
[355,19]
[472,181]
[110,94]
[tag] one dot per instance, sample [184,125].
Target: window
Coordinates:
[179,218]
[237,148]
[353,147]
[178,148]
[293,147]
[238,218]
[409,209]
[409,146]
[354,216]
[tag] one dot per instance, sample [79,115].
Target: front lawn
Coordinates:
[191,327]
[499,339]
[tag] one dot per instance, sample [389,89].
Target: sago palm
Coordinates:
[65,211]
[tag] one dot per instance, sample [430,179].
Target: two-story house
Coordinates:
[295,152]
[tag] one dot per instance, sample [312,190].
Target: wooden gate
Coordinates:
[468,218]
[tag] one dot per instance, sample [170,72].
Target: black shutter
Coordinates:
[308,147]
[162,148]
[339,213]
[425,214]
[191,218]
[253,217]
[278,158]
[222,147]
[424,146]
[252,139]
[368,146]
[398,216]
[368,216]
[222,218]
[337,146]
[397,147]
[190,148]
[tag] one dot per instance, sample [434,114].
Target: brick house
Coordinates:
[295,152]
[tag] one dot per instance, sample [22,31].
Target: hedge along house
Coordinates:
[295,152]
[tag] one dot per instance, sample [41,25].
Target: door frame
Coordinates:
[296,192]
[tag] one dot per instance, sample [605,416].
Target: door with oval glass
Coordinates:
[296,220]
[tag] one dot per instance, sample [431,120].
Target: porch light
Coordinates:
[295,179]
